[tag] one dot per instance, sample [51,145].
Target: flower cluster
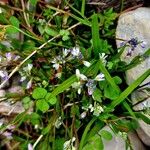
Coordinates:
[5,62]
[96,109]
[67,55]
[133,43]
[26,75]
[7,133]
[90,83]
[68,145]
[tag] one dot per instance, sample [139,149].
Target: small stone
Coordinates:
[117,142]
[17,90]
[135,142]
[144,132]
[135,24]
[7,108]
[2,93]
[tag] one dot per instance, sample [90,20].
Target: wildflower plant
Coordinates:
[71,73]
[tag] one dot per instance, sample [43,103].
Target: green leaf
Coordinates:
[108,76]
[128,91]
[110,92]
[11,30]
[83,7]
[33,2]
[97,94]
[42,105]
[26,100]
[50,31]
[50,98]
[117,80]
[95,143]
[3,19]
[75,110]
[39,93]
[14,21]
[34,118]
[142,116]
[84,135]
[58,143]
[65,85]
[95,35]
[106,135]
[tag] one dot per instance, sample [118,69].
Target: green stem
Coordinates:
[85,132]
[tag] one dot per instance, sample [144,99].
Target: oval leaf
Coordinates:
[50,98]
[39,93]
[106,135]
[42,105]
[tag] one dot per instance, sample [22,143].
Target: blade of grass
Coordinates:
[108,76]
[85,132]
[65,85]
[128,91]
[129,109]
[83,7]
[95,35]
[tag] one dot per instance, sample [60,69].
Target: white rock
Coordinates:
[7,108]
[144,132]
[118,143]
[2,93]
[135,142]
[136,24]
[131,25]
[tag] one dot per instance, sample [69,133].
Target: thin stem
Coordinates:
[37,141]
[85,133]
[24,14]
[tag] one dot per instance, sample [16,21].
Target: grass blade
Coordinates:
[128,91]
[95,35]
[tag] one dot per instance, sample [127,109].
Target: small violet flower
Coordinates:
[30,147]
[29,84]
[57,62]
[100,77]
[133,43]
[28,68]
[66,52]
[91,86]
[143,44]
[75,51]
[58,123]
[103,57]
[4,75]
[7,134]
[77,85]
[80,76]
[68,145]
[9,56]
[86,63]
[83,115]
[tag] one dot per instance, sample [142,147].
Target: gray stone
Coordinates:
[136,24]
[7,108]
[118,143]
[2,93]
[144,132]
[135,142]
[131,25]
